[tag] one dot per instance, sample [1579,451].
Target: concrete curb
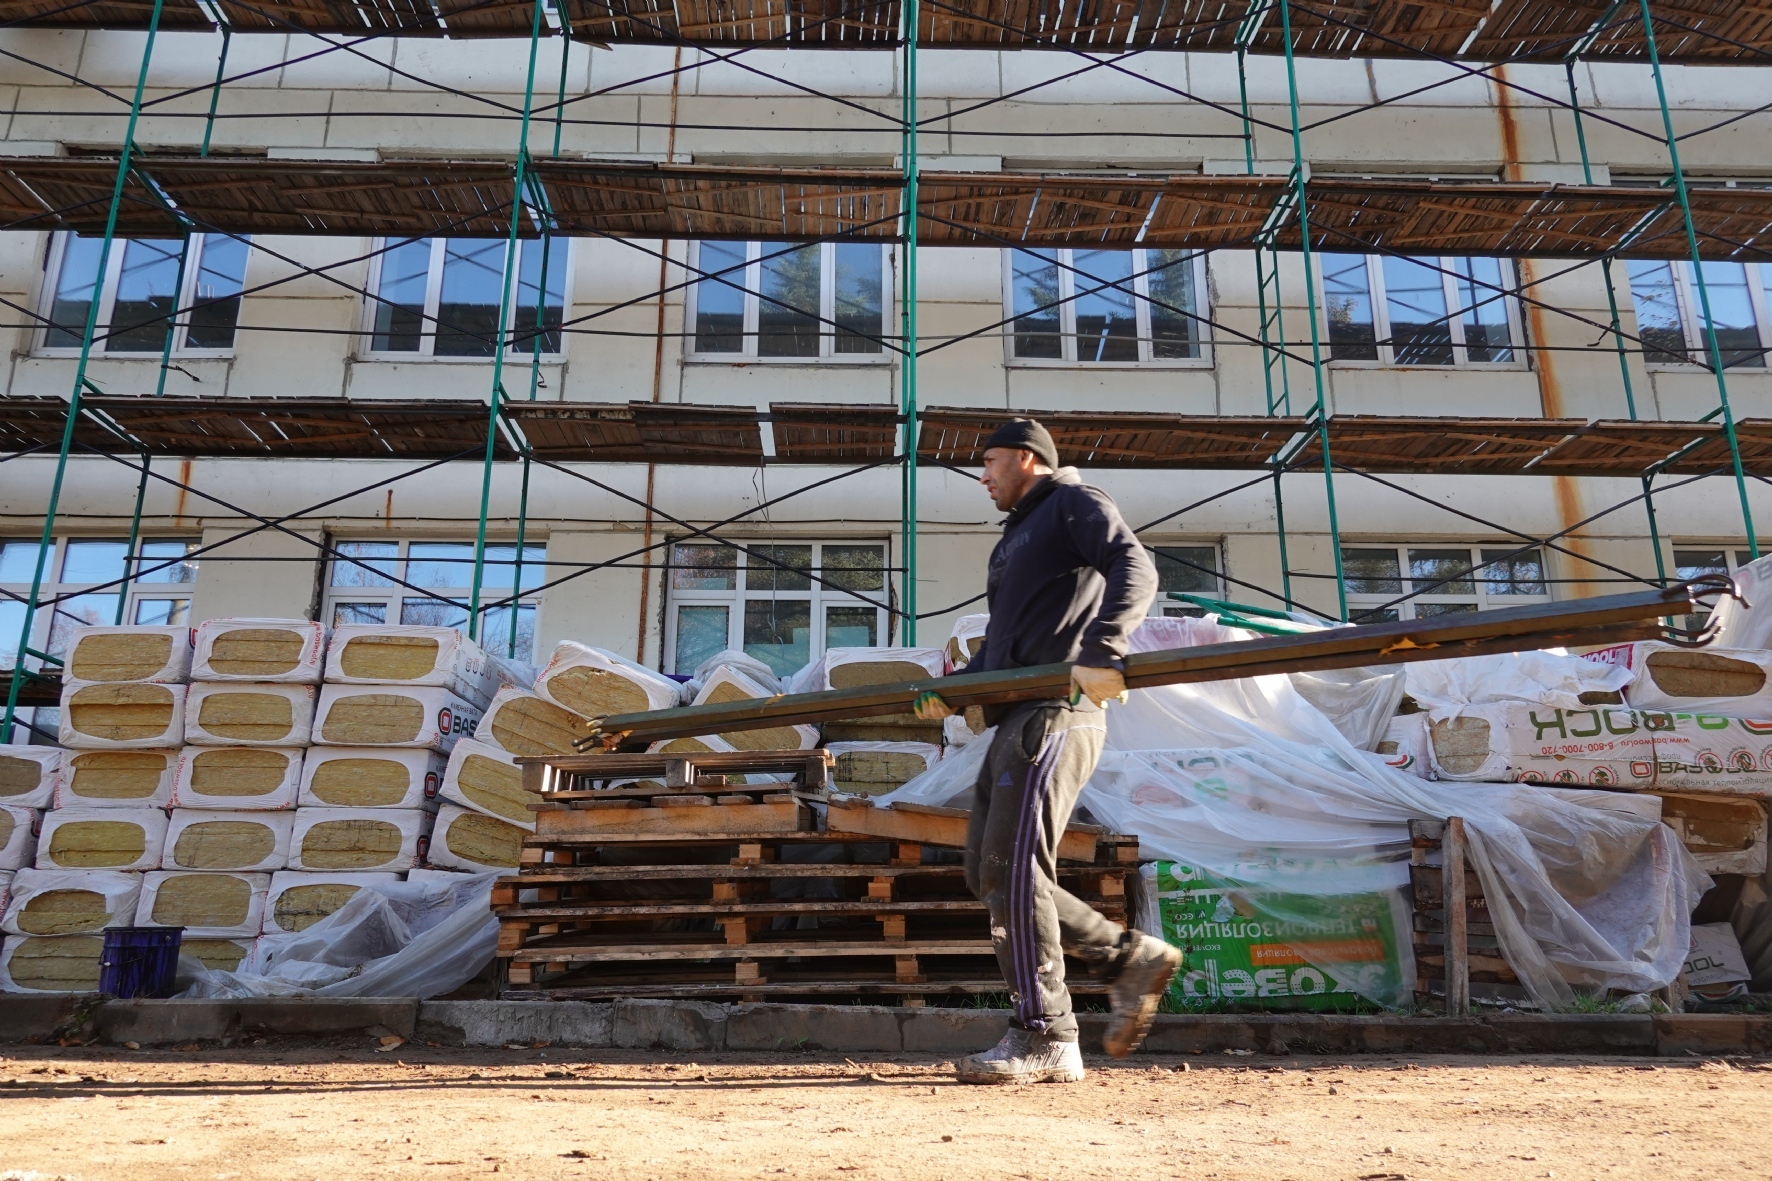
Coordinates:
[701,1026]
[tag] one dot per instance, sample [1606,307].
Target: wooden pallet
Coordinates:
[1454,935]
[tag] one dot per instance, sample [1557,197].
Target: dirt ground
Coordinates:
[343,1111]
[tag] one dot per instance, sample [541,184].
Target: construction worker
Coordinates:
[1068,582]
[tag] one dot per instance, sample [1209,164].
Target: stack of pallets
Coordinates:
[689,877]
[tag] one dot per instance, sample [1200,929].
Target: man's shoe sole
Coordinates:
[1026,1078]
[1133,1032]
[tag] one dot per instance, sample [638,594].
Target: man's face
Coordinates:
[1008,473]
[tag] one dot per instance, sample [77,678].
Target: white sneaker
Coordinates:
[1024,1057]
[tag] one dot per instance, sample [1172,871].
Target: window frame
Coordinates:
[1163,606]
[382,247]
[1692,312]
[195,243]
[392,596]
[55,583]
[1067,316]
[1358,604]
[827,309]
[1381,318]
[820,597]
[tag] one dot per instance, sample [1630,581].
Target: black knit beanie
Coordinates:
[1028,435]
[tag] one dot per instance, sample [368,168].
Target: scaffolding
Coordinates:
[542,196]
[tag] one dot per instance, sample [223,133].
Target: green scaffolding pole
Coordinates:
[47,538]
[504,311]
[1710,328]
[908,321]
[1616,325]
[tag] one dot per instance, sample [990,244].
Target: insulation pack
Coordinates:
[18,837]
[70,901]
[396,654]
[358,840]
[1406,745]
[6,876]
[218,955]
[265,713]
[526,724]
[139,653]
[288,651]
[206,905]
[50,963]
[370,777]
[874,768]
[237,777]
[117,779]
[849,668]
[29,775]
[122,716]
[470,840]
[101,838]
[965,640]
[1730,681]
[726,683]
[593,682]
[240,842]
[422,717]
[298,899]
[484,778]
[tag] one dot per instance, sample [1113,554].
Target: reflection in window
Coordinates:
[782,300]
[1732,314]
[148,279]
[1347,298]
[366,580]
[1655,292]
[1441,580]
[1419,311]
[787,312]
[1415,298]
[442,296]
[1483,308]
[1104,306]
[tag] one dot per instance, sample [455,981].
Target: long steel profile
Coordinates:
[1607,620]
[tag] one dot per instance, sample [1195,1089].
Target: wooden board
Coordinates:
[687,820]
[797,949]
[937,826]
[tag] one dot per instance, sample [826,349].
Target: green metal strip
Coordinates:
[221,67]
[908,320]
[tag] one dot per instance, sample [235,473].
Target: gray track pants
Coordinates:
[1042,755]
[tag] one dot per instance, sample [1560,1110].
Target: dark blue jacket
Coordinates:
[1068,581]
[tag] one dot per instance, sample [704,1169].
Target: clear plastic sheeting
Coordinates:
[1746,622]
[1553,678]
[421,939]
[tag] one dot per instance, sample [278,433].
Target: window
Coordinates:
[1188,569]
[1699,561]
[779,301]
[1452,580]
[1670,320]
[142,285]
[768,603]
[440,297]
[1427,311]
[362,588]
[90,571]
[1102,307]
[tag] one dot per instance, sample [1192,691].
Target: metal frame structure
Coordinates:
[139,194]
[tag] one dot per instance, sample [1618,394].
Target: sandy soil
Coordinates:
[342,1111]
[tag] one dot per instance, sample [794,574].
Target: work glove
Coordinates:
[930,706]
[1099,685]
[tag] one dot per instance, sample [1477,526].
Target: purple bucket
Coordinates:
[139,961]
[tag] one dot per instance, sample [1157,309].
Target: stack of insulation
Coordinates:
[876,755]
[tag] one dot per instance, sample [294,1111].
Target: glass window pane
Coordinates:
[1372,571]
[433,613]
[157,554]
[79,611]
[1033,276]
[779,633]
[147,288]
[18,562]
[400,310]
[1657,301]
[1732,312]
[1347,303]
[215,300]
[497,570]
[163,612]
[860,296]
[719,301]
[12,621]
[1415,298]
[74,289]
[1190,569]
[495,632]
[787,312]
[1689,563]
[373,566]
[704,567]
[854,567]
[369,613]
[442,565]
[1175,334]
[93,561]
[1107,317]
[1429,610]
[1483,309]
[851,627]
[1508,573]
[778,568]
[1441,571]
[701,632]
[524,337]
[1377,615]
[467,304]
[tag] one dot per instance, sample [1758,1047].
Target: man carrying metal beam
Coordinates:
[1067,583]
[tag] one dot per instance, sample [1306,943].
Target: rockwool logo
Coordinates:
[431,784]
[444,719]
[424,847]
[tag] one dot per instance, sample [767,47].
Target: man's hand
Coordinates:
[930,706]
[1099,685]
